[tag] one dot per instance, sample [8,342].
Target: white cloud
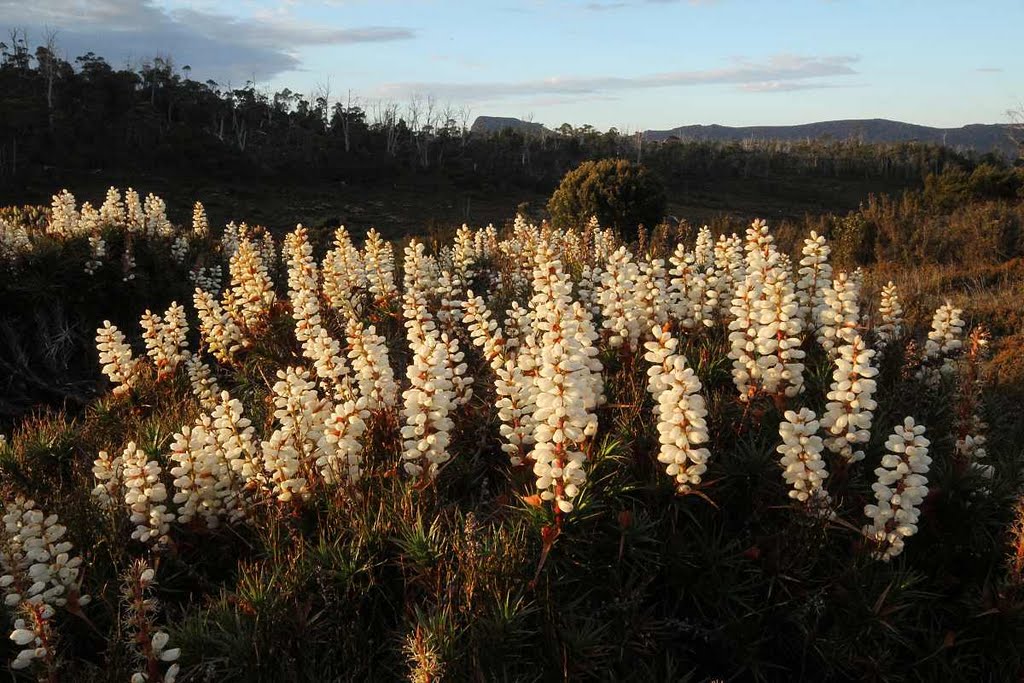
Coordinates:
[794,71]
[216,45]
[779,86]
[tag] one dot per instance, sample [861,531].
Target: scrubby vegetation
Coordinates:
[514,454]
[619,193]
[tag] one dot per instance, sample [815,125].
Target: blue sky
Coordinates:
[625,63]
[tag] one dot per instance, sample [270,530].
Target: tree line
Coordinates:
[60,117]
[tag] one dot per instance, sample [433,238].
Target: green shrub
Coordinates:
[622,195]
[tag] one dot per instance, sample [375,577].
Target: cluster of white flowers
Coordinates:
[112,210]
[109,475]
[688,301]
[291,451]
[89,220]
[725,273]
[213,464]
[379,262]
[37,563]
[848,413]
[839,313]
[484,330]
[743,328]
[218,330]
[802,465]
[779,336]
[945,340]
[97,251]
[512,388]
[115,356]
[135,480]
[815,278]
[588,285]
[145,496]
[901,487]
[518,325]
[200,224]
[64,216]
[314,432]
[568,383]
[659,352]
[605,241]
[652,300]
[681,412]
[14,241]
[134,216]
[759,249]
[765,328]
[179,248]
[39,574]
[617,297]
[303,290]
[251,295]
[267,249]
[35,633]
[449,300]
[328,363]
[462,383]
[344,276]
[237,439]
[230,238]
[156,223]
[890,310]
[485,243]
[207,278]
[298,255]
[420,277]
[341,445]
[369,355]
[165,338]
[429,401]
[456,275]
[544,357]
[704,247]
[464,257]
[204,384]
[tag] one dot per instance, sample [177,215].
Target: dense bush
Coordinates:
[966,219]
[621,194]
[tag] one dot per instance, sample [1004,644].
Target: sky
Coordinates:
[628,64]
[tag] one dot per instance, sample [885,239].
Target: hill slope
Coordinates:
[979,137]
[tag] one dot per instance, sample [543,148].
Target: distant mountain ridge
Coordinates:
[493,124]
[979,137]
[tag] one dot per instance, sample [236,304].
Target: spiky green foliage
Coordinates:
[471,577]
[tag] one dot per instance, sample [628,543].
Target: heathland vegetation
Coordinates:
[576,448]
[515,453]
